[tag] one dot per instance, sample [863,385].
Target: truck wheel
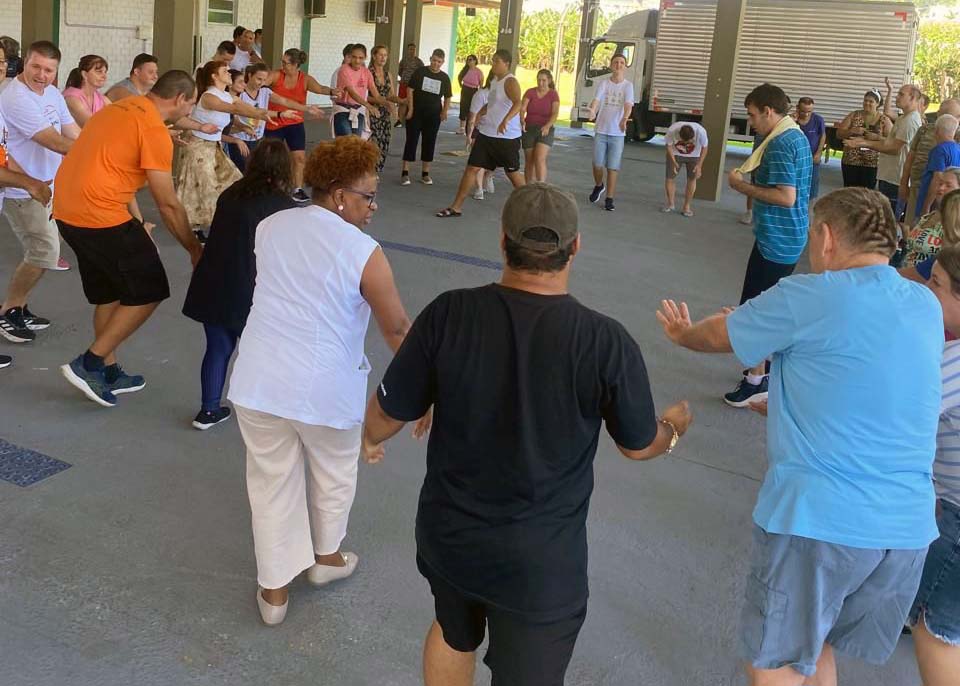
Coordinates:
[643,136]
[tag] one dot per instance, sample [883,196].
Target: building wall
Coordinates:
[10,18]
[435,32]
[109,28]
[343,24]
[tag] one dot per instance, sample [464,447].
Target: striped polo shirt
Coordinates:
[946,468]
[781,232]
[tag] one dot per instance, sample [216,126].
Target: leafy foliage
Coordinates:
[936,65]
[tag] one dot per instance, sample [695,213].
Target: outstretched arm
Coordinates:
[706,336]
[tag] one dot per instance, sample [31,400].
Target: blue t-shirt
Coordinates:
[925,268]
[781,232]
[853,407]
[943,156]
[813,130]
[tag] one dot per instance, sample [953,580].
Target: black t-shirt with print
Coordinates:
[428,90]
[520,384]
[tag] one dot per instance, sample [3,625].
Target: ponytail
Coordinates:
[74,78]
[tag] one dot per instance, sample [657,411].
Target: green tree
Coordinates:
[936,64]
[478,35]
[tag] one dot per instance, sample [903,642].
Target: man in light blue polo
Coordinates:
[846,510]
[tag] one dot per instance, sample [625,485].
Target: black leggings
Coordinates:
[418,125]
[855,175]
[221,343]
[466,97]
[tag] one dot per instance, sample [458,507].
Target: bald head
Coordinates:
[950,106]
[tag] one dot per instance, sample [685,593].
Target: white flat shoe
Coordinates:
[272,615]
[321,575]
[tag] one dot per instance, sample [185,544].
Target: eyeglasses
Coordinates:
[370,197]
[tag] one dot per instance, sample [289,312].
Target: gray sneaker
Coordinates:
[91,384]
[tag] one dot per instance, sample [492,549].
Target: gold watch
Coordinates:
[676,434]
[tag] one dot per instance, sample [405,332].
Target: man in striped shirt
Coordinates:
[781,193]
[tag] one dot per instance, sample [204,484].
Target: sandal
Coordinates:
[687,213]
[448,212]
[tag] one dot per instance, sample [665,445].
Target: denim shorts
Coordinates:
[607,151]
[802,593]
[343,127]
[939,594]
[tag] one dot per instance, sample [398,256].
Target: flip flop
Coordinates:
[448,212]
[687,213]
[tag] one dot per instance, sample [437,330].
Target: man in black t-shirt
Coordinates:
[521,377]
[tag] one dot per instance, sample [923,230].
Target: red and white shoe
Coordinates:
[62,266]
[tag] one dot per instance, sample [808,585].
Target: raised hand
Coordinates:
[675,319]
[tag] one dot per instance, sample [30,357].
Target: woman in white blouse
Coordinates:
[299,384]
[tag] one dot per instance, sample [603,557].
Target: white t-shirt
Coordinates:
[611,98]
[498,104]
[205,116]
[691,148]
[301,356]
[240,61]
[905,128]
[258,125]
[27,114]
[479,100]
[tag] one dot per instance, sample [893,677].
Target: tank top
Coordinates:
[498,105]
[308,321]
[205,116]
[98,100]
[298,94]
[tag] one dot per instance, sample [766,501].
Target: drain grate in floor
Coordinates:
[25,467]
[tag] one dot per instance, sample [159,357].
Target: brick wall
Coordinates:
[104,27]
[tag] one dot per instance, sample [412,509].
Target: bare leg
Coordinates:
[405,167]
[101,318]
[529,170]
[516,178]
[597,176]
[299,160]
[275,596]
[826,674]
[612,183]
[425,167]
[119,327]
[444,666]
[467,181]
[939,662]
[759,370]
[480,176]
[688,193]
[540,154]
[670,186]
[24,278]
[331,560]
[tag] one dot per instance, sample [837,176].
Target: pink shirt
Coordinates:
[473,78]
[95,106]
[539,110]
[357,79]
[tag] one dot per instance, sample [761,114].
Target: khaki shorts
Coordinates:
[690,163]
[35,229]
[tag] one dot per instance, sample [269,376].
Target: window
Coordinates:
[221,12]
[602,52]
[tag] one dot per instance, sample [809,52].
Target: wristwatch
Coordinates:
[676,434]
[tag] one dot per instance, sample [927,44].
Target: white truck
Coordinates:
[832,51]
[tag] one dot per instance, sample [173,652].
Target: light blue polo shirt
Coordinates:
[853,407]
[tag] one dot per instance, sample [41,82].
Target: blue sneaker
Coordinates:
[92,384]
[746,393]
[597,192]
[126,383]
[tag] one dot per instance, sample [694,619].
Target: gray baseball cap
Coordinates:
[541,205]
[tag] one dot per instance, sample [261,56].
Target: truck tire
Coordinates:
[637,130]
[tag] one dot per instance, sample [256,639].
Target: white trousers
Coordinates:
[286,505]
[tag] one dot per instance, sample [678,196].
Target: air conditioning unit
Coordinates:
[371,11]
[314,8]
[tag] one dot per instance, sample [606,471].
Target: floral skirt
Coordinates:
[202,172]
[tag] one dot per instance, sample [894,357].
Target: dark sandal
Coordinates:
[448,212]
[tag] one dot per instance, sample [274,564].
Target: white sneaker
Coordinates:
[405,180]
[426,180]
[488,185]
[272,615]
[746,218]
[478,194]
[321,575]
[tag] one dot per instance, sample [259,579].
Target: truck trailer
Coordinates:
[830,50]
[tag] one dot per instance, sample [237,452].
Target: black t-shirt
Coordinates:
[520,384]
[428,89]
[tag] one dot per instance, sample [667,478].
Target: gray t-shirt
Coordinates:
[904,129]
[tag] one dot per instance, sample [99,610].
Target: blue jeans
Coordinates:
[815,182]
[939,595]
[341,125]
[221,342]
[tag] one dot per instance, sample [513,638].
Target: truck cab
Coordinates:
[634,36]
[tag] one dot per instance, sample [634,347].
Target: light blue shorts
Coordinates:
[607,151]
[802,593]
[939,595]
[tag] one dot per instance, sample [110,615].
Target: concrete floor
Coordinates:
[135,566]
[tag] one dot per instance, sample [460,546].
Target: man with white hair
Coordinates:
[916,163]
[945,154]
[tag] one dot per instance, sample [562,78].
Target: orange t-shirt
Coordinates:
[108,164]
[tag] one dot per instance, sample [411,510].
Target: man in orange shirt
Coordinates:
[123,146]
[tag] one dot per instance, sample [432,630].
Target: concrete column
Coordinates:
[389,31]
[173,35]
[412,22]
[40,21]
[588,26]
[274,18]
[719,94]
[508,35]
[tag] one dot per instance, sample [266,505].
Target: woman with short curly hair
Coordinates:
[300,380]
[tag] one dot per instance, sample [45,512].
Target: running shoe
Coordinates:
[404,179]
[62,266]
[746,393]
[398,125]
[746,218]
[205,419]
[488,184]
[608,205]
[14,327]
[121,382]
[597,192]
[426,180]
[5,361]
[478,194]
[34,323]
[201,236]
[301,196]
[91,384]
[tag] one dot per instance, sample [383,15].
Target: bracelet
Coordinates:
[676,434]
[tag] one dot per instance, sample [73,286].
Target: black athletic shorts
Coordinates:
[117,264]
[490,153]
[762,274]
[521,651]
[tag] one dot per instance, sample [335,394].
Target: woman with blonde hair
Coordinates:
[204,170]
[299,384]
